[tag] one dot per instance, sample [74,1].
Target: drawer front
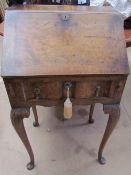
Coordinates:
[22,90]
[89,89]
[55,90]
[41,89]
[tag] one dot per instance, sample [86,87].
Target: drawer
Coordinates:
[54,89]
[89,89]
[42,89]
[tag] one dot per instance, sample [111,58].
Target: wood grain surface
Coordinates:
[76,41]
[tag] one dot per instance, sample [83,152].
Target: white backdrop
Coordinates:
[123,6]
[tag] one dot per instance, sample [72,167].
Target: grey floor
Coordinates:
[66,148]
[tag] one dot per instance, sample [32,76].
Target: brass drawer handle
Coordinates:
[37,93]
[98,89]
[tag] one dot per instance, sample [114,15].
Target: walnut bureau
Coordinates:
[47,47]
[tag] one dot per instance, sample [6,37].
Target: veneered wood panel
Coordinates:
[88,89]
[40,89]
[45,43]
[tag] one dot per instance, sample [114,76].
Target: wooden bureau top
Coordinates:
[63,40]
[63,8]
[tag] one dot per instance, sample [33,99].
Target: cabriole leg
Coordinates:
[91,120]
[114,115]
[17,116]
[36,122]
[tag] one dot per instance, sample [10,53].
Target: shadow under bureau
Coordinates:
[48,47]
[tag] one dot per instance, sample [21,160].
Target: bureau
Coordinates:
[47,48]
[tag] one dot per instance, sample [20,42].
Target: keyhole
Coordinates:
[65,17]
